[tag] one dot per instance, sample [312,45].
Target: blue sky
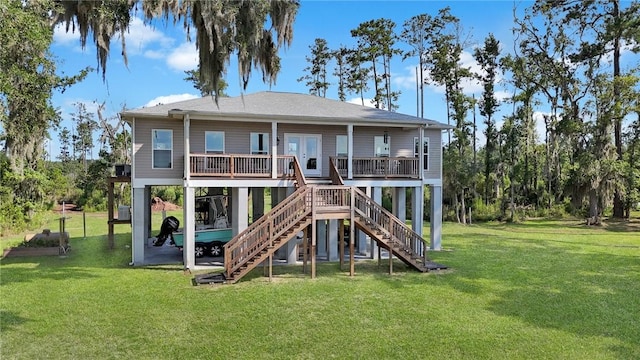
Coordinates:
[158,56]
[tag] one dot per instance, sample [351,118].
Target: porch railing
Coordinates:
[387,167]
[260,166]
[240,165]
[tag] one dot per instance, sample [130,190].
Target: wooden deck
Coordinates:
[261,166]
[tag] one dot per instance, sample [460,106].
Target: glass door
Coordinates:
[308,150]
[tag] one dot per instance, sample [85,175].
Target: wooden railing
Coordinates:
[399,167]
[298,174]
[331,199]
[260,166]
[266,234]
[334,174]
[240,165]
[384,221]
[262,232]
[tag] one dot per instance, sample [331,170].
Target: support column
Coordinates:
[321,242]
[276,197]
[417,209]
[417,214]
[138,231]
[257,202]
[376,195]
[400,203]
[436,217]
[147,212]
[189,228]
[292,246]
[350,151]
[240,201]
[333,249]
[362,238]
[274,150]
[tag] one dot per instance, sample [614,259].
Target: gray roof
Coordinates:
[281,106]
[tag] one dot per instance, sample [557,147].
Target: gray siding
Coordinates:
[236,135]
[237,142]
[400,141]
[435,154]
[143,144]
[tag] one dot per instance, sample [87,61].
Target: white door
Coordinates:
[308,149]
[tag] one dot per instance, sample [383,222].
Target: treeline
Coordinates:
[565,67]
[566,55]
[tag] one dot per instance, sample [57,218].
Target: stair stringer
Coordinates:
[264,236]
[383,239]
[264,253]
[389,232]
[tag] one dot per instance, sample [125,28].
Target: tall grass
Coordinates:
[539,290]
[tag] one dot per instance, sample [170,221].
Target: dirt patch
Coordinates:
[67,207]
[157,204]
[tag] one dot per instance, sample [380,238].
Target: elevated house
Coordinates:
[325,161]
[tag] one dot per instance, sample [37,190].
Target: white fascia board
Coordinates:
[238,183]
[142,182]
[380,183]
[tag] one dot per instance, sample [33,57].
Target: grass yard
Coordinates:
[539,290]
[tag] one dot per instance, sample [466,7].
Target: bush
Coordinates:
[482,212]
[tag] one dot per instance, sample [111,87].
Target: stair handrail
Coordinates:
[334,174]
[399,233]
[301,181]
[264,230]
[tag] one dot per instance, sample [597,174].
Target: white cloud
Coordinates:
[70,107]
[168,99]
[140,36]
[140,39]
[63,37]
[541,128]
[184,57]
[406,80]
[154,54]
[358,101]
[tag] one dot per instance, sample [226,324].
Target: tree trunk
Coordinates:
[594,210]
[618,204]
[463,209]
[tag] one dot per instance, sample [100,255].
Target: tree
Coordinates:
[376,39]
[27,81]
[602,28]
[64,137]
[316,72]
[487,58]
[419,32]
[357,74]
[83,138]
[445,68]
[632,171]
[253,30]
[341,71]
[206,89]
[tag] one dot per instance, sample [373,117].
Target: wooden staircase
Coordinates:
[266,235]
[389,232]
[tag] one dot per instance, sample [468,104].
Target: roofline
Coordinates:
[206,115]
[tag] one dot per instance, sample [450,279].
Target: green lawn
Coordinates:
[539,290]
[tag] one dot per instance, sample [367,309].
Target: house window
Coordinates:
[381,145]
[260,143]
[162,144]
[214,142]
[342,148]
[416,151]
